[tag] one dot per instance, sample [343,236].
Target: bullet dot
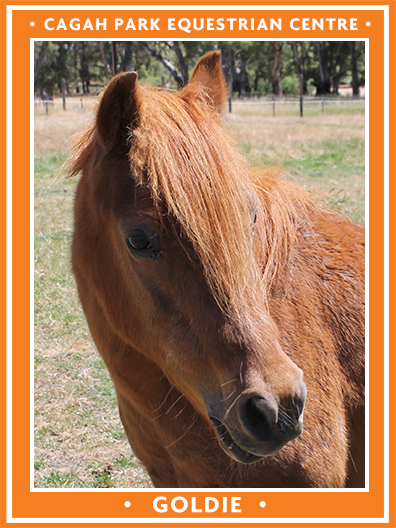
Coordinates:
[368,23]
[263,504]
[32,23]
[127,504]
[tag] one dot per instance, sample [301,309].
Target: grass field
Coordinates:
[79,440]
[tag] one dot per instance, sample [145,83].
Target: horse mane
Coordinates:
[181,152]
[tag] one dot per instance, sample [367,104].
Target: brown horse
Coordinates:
[226,303]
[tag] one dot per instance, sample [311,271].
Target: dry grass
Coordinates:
[323,153]
[79,441]
[282,136]
[53,132]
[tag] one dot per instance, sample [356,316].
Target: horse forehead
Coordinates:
[167,110]
[135,202]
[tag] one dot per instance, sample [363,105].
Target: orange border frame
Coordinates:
[90,505]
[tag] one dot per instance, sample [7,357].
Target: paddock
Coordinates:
[79,440]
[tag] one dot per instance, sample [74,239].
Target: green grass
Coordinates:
[77,429]
[334,171]
[311,109]
[79,440]
[323,153]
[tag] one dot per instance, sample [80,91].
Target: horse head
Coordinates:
[181,257]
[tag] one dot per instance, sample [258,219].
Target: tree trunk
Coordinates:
[336,84]
[126,63]
[114,57]
[228,61]
[355,78]
[168,65]
[84,70]
[182,63]
[276,81]
[299,69]
[323,87]
[39,62]
[104,58]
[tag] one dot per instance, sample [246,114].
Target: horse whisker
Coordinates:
[227,382]
[290,421]
[179,413]
[173,404]
[180,437]
[231,406]
[229,396]
[164,400]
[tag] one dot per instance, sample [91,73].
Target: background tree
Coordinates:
[276,68]
[357,66]
[251,68]
[39,61]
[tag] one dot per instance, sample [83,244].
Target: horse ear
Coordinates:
[209,73]
[118,111]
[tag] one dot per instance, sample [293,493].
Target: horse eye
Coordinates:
[144,242]
[139,242]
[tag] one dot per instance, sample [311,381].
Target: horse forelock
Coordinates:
[180,151]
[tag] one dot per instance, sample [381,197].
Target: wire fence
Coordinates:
[321,102]
[275,104]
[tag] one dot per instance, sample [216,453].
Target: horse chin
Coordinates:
[244,455]
[230,447]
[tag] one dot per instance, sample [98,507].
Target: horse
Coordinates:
[226,302]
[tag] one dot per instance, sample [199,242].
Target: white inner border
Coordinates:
[158,491]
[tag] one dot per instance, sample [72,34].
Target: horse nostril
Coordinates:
[264,419]
[259,417]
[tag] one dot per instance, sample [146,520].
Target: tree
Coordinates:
[158,55]
[323,84]
[84,69]
[52,64]
[276,69]
[263,66]
[357,66]
[299,68]
[39,62]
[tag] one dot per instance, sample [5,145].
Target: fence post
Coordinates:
[114,57]
[301,79]
[323,103]
[273,105]
[46,107]
[64,94]
[230,90]
[81,102]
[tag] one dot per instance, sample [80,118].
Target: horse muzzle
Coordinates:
[255,427]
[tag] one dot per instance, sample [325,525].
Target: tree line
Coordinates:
[255,68]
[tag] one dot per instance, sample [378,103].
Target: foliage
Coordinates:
[257,67]
[290,85]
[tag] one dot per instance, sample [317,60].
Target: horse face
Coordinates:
[158,299]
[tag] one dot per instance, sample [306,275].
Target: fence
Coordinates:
[65,103]
[88,102]
[301,101]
